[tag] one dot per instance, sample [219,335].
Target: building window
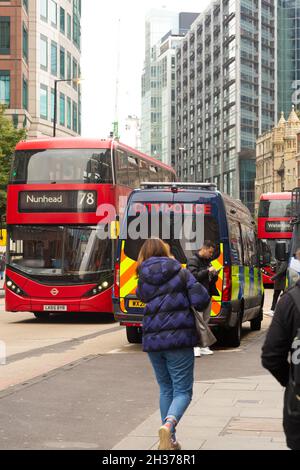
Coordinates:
[25,43]
[25,4]
[62,20]
[69,26]
[43,52]
[25,93]
[4,35]
[52,104]
[69,113]
[75,117]
[75,73]
[62,109]
[44,10]
[43,102]
[69,67]
[53,58]
[5,87]
[62,63]
[53,13]
[76,22]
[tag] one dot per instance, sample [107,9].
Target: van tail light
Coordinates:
[227,284]
[117,281]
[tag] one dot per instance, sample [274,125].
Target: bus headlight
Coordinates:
[97,289]
[12,286]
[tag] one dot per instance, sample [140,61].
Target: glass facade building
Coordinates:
[225,94]
[288,12]
[163,32]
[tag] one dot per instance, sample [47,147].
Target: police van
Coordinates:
[184,215]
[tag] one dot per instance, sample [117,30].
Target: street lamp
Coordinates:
[74,80]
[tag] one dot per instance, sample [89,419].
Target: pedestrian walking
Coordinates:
[279,279]
[2,267]
[169,332]
[275,357]
[203,271]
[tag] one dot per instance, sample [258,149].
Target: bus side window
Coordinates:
[235,243]
[122,167]
[133,170]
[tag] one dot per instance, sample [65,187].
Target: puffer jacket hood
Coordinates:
[154,274]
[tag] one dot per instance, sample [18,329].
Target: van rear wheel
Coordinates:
[134,334]
[232,336]
[255,324]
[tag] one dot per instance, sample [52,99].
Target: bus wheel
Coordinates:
[134,334]
[232,337]
[42,315]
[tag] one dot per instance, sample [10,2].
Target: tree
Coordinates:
[9,137]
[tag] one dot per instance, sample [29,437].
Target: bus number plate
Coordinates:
[55,308]
[136,304]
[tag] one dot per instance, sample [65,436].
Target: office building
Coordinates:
[276,157]
[226,88]
[163,31]
[40,44]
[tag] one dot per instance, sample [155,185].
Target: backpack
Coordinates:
[293,388]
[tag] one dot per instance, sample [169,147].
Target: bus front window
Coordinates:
[59,252]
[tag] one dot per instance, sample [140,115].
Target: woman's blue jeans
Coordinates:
[174,370]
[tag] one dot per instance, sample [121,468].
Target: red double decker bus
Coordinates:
[274,223]
[56,262]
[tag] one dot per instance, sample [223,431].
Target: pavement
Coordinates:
[109,400]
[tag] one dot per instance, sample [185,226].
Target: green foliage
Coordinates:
[9,137]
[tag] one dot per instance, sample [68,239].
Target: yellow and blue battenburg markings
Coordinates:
[246,281]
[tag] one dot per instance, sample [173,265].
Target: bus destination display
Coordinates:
[58,201]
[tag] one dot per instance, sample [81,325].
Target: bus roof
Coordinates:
[274,196]
[84,143]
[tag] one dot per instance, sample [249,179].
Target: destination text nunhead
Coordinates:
[44,199]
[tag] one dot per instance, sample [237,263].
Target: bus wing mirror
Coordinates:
[281,253]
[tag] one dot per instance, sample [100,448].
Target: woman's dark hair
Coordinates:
[153,247]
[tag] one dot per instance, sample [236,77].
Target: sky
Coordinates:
[108,27]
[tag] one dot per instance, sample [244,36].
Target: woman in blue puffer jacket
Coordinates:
[169,332]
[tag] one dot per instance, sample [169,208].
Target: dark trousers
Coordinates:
[276,295]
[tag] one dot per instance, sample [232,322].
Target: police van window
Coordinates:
[133,170]
[122,167]
[252,247]
[249,246]
[235,242]
[180,247]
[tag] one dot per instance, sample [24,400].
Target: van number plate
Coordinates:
[136,304]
